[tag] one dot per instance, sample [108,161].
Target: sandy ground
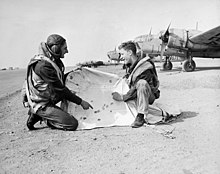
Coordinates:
[122,150]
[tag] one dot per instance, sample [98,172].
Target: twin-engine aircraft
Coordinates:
[182,43]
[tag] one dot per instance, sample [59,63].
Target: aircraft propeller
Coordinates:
[163,48]
[164,37]
[149,35]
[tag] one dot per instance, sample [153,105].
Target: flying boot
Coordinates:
[139,121]
[32,120]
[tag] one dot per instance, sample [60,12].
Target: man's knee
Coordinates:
[142,84]
[71,124]
[74,125]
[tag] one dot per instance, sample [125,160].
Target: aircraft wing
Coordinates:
[210,37]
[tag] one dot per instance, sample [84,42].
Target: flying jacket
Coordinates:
[141,69]
[45,81]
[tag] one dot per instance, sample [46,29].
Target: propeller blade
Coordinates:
[165,38]
[137,45]
[168,27]
[163,48]
[161,58]
[149,35]
[150,31]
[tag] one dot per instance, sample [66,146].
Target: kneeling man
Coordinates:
[45,87]
[142,81]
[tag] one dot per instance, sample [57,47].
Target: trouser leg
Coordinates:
[58,118]
[144,97]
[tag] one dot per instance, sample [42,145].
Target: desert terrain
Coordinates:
[193,149]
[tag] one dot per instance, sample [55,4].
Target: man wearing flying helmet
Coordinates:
[45,87]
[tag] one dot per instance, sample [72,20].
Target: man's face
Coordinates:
[126,54]
[64,50]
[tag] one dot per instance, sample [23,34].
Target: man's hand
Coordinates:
[116,96]
[85,105]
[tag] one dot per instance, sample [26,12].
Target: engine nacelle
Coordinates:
[114,55]
[177,38]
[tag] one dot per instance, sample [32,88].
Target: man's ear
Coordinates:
[130,52]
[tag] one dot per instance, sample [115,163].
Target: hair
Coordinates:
[128,46]
[54,43]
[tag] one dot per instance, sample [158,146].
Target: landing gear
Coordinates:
[189,65]
[167,65]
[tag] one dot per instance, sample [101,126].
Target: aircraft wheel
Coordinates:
[167,65]
[189,67]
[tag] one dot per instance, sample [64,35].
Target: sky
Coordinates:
[93,27]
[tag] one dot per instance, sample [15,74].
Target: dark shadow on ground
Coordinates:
[175,69]
[184,115]
[179,69]
[207,68]
[40,128]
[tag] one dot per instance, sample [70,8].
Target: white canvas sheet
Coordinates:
[96,87]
